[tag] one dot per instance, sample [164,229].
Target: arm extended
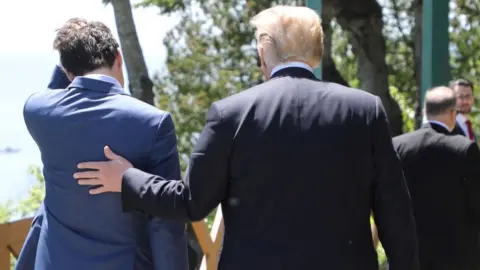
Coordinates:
[202,190]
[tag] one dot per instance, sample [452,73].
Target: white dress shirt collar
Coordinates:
[104,78]
[289,65]
[461,119]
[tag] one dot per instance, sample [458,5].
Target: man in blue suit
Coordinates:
[77,231]
[26,259]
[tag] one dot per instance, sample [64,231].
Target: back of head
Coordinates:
[440,105]
[85,46]
[288,33]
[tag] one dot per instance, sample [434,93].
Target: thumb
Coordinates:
[110,154]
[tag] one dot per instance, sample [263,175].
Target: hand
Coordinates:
[106,174]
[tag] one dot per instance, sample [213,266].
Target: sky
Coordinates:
[26,63]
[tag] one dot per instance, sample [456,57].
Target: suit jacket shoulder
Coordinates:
[426,137]
[46,101]
[284,89]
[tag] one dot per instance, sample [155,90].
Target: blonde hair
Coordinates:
[288,33]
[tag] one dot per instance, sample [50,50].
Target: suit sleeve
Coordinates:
[472,182]
[202,190]
[163,159]
[392,208]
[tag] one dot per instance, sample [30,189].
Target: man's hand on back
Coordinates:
[106,174]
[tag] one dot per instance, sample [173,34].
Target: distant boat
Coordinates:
[9,150]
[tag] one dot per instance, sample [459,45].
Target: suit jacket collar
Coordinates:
[96,85]
[436,127]
[295,72]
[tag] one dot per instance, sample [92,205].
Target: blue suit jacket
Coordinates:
[80,231]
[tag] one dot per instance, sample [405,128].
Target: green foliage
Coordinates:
[343,56]
[399,19]
[404,100]
[6,211]
[28,206]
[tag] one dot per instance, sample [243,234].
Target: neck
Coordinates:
[102,71]
[443,120]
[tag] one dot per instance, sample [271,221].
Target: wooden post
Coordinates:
[4,252]
[210,241]
[12,236]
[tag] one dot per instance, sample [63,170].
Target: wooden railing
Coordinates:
[13,234]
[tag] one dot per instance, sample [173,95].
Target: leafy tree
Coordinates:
[6,212]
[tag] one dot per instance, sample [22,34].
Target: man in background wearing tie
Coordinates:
[465,99]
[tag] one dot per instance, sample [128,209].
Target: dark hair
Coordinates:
[85,46]
[461,82]
[439,104]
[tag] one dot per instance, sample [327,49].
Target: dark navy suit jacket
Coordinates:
[75,230]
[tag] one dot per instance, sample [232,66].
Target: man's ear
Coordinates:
[119,59]
[70,76]
[262,57]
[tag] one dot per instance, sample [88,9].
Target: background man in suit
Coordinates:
[465,100]
[443,176]
[282,156]
[78,231]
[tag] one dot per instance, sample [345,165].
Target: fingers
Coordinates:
[98,190]
[93,165]
[90,182]
[110,154]
[86,175]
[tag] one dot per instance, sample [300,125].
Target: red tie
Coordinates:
[471,135]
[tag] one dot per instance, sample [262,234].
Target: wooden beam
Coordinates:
[210,262]
[12,236]
[16,231]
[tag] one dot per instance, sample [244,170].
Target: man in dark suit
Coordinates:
[77,231]
[282,157]
[443,177]
[465,100]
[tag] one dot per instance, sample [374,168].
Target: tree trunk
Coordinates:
[417,52]
[141,87]
[330,72]
[140,84]
[363,20]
